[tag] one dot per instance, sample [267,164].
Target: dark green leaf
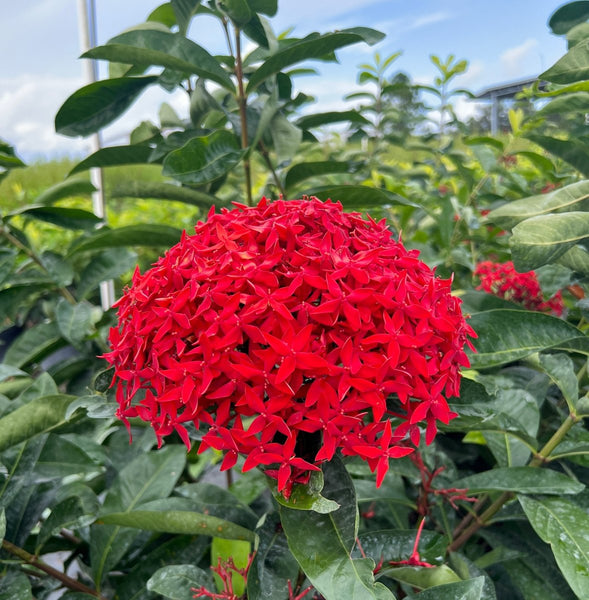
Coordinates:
[115,155]
[569,15]
[327,118]
[70,218]
[541,162]
[571,197]
[184,9]
[33,344]
[302,171]
[75,321]
[39,416]
[163,14]
[485,140]
[266,7]
[19,297]
[179,521]
[176,581]
[15,585]
[170,50]
[321,543]
[577,102]
[104,266]
[65,189]
[541,240]
[397,544]
[286,137]
[566,528]
[358,196]
[61,271]
[307,497]
[561,370]
[460,590]
[96,105]
[237,10]
[204,159]
[165,191]
[422,577]
[525,480]
[131,235]
[313,46]
[509,335]
[573,151]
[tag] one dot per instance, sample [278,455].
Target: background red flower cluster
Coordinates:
[289,330]
[501,279]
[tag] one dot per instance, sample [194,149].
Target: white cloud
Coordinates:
[515,60]
[430,19]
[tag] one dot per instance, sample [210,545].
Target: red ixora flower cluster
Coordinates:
[501,279]
[289,330]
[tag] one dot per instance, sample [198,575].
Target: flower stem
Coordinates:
[30,559]
[242,102]
[505,497]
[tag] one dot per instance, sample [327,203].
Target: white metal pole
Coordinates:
[87,34]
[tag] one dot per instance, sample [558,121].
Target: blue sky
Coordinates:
[503,40]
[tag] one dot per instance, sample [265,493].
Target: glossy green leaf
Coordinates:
[266,7]
[104,266]
[576,259]
[577,34]
[15,585]
[20,297]
[571,150]
[163,14]
[165,191]
[65,455]
[170,50]
[569,15]
[38,416]
[65,189]
[131,235]
[327,118]
[561,370]
[397,544]
[359,196]
[322,543]
[239,552]
[525,480]
[541,240]
[307,497]
[577,102]
[75,321]
[574,197]
[286,137]
[314,46]
[274,565]
[509,335]
[422,577]
[96,105]
[33,344]
[179,521]
[184,10]
[60,270]
[572,67]
[460,590]
[176,581]
[204,159]
[302,171]
[2,524]
[237,10]
[113,156]
[69,218]
[8,371]
[565,527]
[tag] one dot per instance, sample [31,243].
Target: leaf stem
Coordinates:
[266,156]
[242,102]
[538,460]
[32,560]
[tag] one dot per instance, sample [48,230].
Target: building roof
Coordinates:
[508,90]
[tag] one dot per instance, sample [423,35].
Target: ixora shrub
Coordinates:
[285,329]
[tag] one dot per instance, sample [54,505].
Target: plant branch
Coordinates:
[266,156]
[538,460]
[242,102]
[31,254]
[72,584]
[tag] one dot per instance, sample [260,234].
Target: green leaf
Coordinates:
[2,525]
[75,321]
[131,235]
[422,577]
[164,14]
[541,240]
[266,7]
[179,521]
[176,581]
[541,162]
[184,9]
[65,189]
[204,159]
[165,191]
[572,67]
[397,544]
[571,197]
[237,10]
[302,171]
[567,16]
[573,151]
[236,550]
[485,140]
[69,218]
[274,565]
[525,480]
[321,543]
[286,137]
[577,34]
[327,118]
[104,266]
[34,344]
[561,370]
[314,46]
[96,105]
[577,102]
[460,590]
[113,156]
[566,528]
[61,271]
[170,50]
[509,335]
[307,497]
[38,416]
[356,196]
[15,586]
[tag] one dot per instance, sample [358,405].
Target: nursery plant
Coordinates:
[294,399]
